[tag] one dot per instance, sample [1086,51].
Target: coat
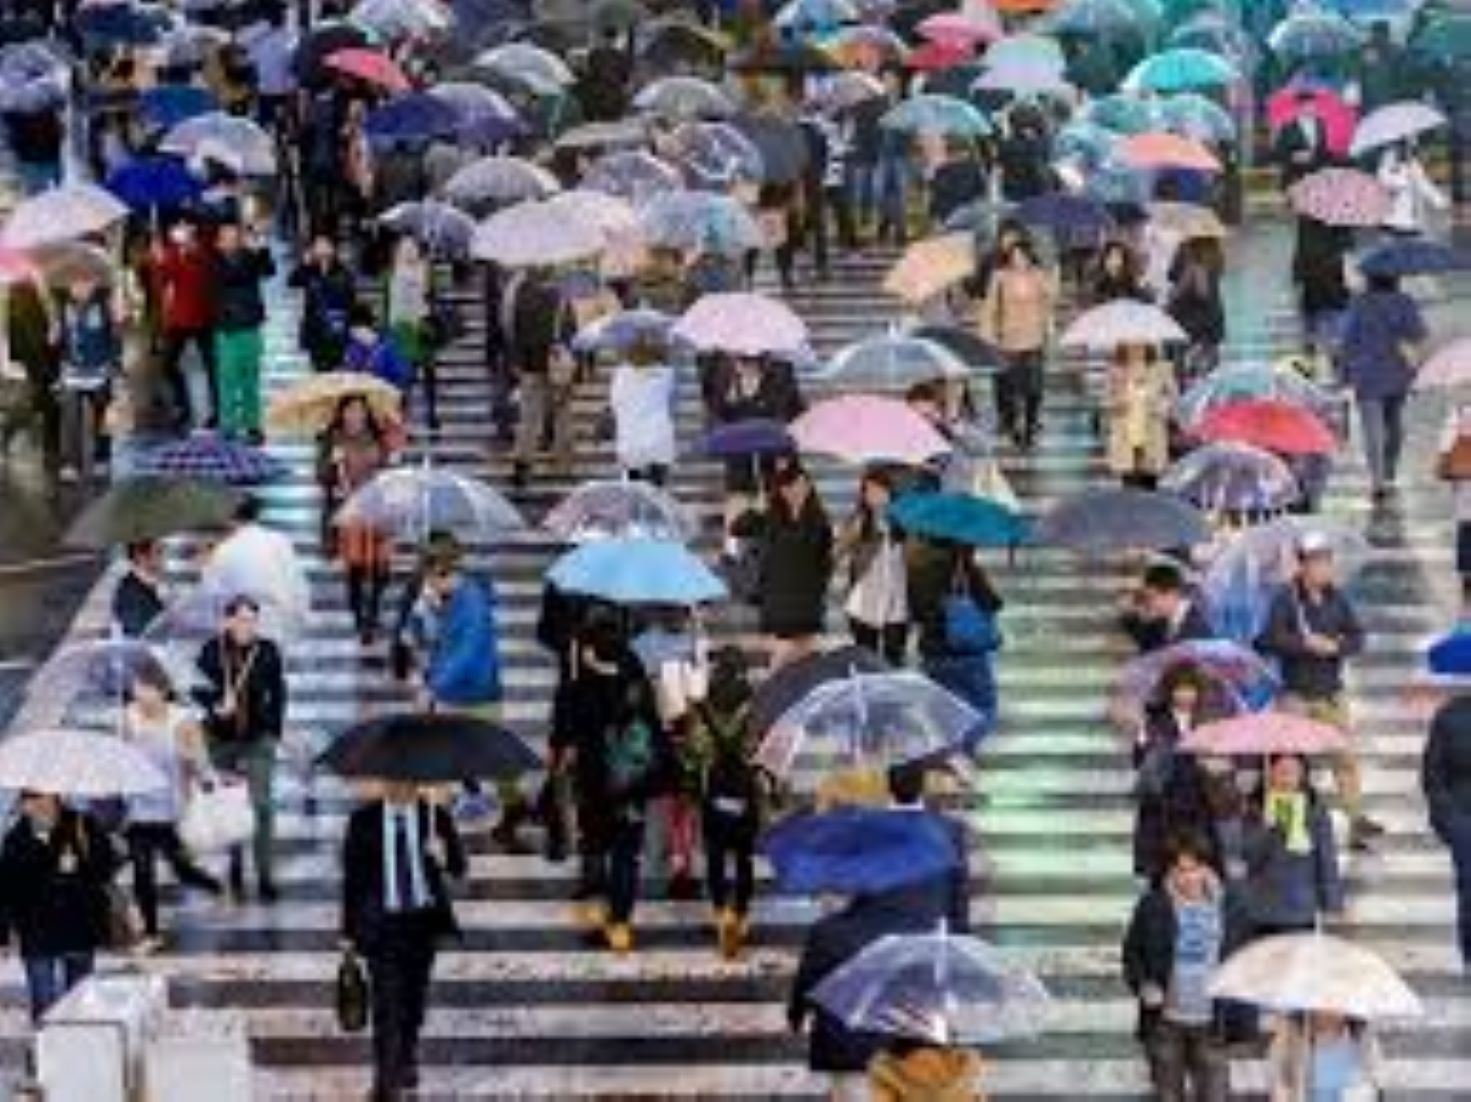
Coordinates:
[1317,266]
[926,1075]
[49,908]
[1292,890]
[1147,402]
[1377,332]
[933,575]
[327,297]
[464,663]
[238,275]
[1304,673]
[796,560]
[260,711]
[1170,793]
[1445,770]
[363,905]
[136,603]
[185,279]
[1016,315]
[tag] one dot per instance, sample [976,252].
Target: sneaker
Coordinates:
[620,938]
[471,807]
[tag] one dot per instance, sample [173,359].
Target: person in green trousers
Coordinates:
[242,263]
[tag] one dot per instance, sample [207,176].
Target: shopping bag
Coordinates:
[217,816]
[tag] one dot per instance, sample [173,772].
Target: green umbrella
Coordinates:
[1445,38]
[152,506]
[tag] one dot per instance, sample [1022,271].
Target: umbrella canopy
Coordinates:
[865,428]
[443,230]
[429,748]
[858,851]
[624,330]
[235,142]
[1234,384]
[892,361]
[937,989]
[535,234]
[1266,733]
[936,114]
[1026,50]
[147,507]
[960,518]
[869,719]
[78,764]
[1450,656]
[1192,115]
[1160,150]
[414,118]
[1125,321]
[961,342]
[307,406]
[1448,366]
[742,323]
[699,221]
[940,58]
[62,214]
[1120,113]
[1297,973]
[155,184]
[1278,427]
[1100,18]
[623,134]
[369,66]
[323,39]
[749,438]
[930,267]
[1230,665]
[1338,117]
[414,501]
[69,262]
[212,457]
[1065,214]
[971,26]
[633,175]
[168,105]
[1341,197]
[637,571]
[403,18]
[96,670]
[1182,69]
[684,99]
[1097,522]
[527,64]
[1393,123]
[784,150]
[1445,38]
[715,154]
[620,510]
[1232,477]
[498,181]
[198,614]
[1187,220]
[791,682]
[1412,257]
[1314,33]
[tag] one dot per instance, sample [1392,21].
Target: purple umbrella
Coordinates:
[743,439]
[211,456]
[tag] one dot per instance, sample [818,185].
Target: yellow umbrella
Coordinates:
[931,267]
[308,406]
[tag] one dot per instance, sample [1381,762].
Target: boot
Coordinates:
[728,933]
[620,938]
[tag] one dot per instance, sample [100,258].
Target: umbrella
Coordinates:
[668,42]
[1096,522]
[1341,197]
[428,748]
[699,220]
[1181,69]
[1125,321]
[62,214]
[620,510]
[637,571]
[69,262]
[146,507]
[1160,150]
[1030,83]
[33,76]
[168,105]
[322,40]
[369,66]
[485,117]
[197,615]
[1265,733]
[1120,113]
[1230,665]
[891,361]
[791,682]
[808,14]
[307,406]
[845,91]
[121,24]
[78,764]
[1073,216]
[959,518]
[623,134]
[931,267]
[1187,220]
[1249,382]
[403,18]
[934,114]
[527,64]
[974,27]
[154,184]
[96,670]
[1314,33]
[212,457]
[870,719]
[784,150]
[746,439]
[414,501]
[1299,973]
[937,989]
[1337,116]
[624,330]
[963,343]
[785,57]
[442,229]
[1414,256]
[1444,38]
[742,323]
[1232,477]
[535,234]
[866,428]
[498,181]
[416,117]
[1094,18]
[17,267]
[940,57]
[1025,50]
[1087,141]
[1193,116]
[1393,123]
[858,851]
[1448,366]
[684,99]
[633,175]
[1271,425]
[866,45]
[237,142]
[715,154]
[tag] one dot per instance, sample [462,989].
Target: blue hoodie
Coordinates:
[464,668]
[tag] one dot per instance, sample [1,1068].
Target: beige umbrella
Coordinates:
[931,267]
[1187,220]
[1297,973]
[307,407]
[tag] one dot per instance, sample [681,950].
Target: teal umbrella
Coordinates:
[960,518]
[1101,18]
[1446,38]
[931,114]
[1313,33]
[1120,113]
[1191,115]
[1182,69]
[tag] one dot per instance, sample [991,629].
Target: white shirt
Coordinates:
[643,415]
[1412,193]
[881,595]
[271,54]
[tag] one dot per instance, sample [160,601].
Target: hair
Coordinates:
[1121,353]
[1021,245]
[154,676]
[361,314]
[249,510]
[137,549]
[927,391]
[906,782]
[442,560]
[241,602]
[1187,843]
[1164,578]
[603,635]
[339,416]
[1383,281]
[1178,676]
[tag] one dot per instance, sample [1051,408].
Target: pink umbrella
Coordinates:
[369,65]
[866,428]
[1338,117]
[16,267]
[742,323]
[1274,426]
[955,26]
[1264,733]
[1448,366]
[1341,197]
[1160,150]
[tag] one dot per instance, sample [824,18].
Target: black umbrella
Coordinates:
[785,150]
[795,680]
[429,748]
[151,506]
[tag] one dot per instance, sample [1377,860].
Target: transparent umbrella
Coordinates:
[941,989]
[411,502]
[632,174]
[1229,477]
[892,361]
[620,510]
[96,671]
[690,220]
[76,763]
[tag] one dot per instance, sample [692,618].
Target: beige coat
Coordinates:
[1127,405]
[1016,315]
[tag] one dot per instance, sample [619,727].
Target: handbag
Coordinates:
[218,815]
[1455,465]
[352,993]
[969,629]
[124,925]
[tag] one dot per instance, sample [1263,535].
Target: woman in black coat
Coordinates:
[1195,302]
[1317,270]
[1446,779]
[55,868]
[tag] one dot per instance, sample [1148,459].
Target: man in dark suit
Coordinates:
[138,598]
[395,909]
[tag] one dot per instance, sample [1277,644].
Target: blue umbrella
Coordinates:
[442,229]
[416,117]
[1120,113]
[210,456]
[1414,256]
[1192,115]
[624,330]
[1450,655]
[1100,18]
[859,851]
[168,105]
[744,439]
[931,114]
[155,183]
[959,518]
[637,571]
[1070,216]
[1099,521]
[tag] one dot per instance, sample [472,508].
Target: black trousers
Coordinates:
[1019,394]
[730,843]
[400,963]
[890,642]
[174,343]
[146,843]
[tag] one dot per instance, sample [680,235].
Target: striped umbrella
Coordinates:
[208,455]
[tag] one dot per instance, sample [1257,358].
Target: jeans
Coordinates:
[83,432]
[971,678]
[49,978]
[256,762]
[862,185]
[891,187]
[1460,844]
[623,867]
[1187,1064]
[729,844]
[174,343]
[1382,423]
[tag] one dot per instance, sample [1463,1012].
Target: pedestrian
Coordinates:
[745,388]
[794,550]
[1169,785]
[777,218]
[1139,402]
[1322,1056]
[1445,778]
[1183,927]
[29,372]
[260,561]
[396,909]
[1453,465]
[139,596]
[541,332]
[1300,146]
[1164,610]
[328,292]
[1311,631]
[916,1071]
[1117,275]
[36,139]
[373,351]
[56,871]
[877,605]
[183,277]
[1318,273]
[1195,303]
[1412,193]
[242,261]
[1292,876]
[1016,318]
[92,361]
[641,395]
[244,698]
[409,312]
[355,447]
[1378,352]
[168,735]
[956,610]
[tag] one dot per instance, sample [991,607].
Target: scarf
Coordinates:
[1288,811]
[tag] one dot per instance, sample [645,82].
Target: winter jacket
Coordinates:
[1292,890]
[53,888]
[926,1075]
[238,275]
[1371,349]
[327,297]
[796,557]
[1312,676]
[464,664]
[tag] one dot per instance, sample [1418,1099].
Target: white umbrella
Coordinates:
[535,234]
[743,323]
[1104,328]
[684,98]
[1448,366]
[62,214]
[403,17]
[528,64]
[1315,971]
[414,501]
[1394,122]
[498,180]
[233,141]
[76,763]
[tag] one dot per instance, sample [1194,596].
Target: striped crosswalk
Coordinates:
[525,1008]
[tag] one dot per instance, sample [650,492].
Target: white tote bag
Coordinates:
[218,815]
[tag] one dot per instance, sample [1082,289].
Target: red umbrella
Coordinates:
[1341,197]
[1338,117]
[1270,425]
[936,57]
[369,65]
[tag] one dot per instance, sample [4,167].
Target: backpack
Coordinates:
[730,783]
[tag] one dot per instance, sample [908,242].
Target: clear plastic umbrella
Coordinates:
[411,502]
[703,220]
[62,214]
[236,142]
[869,719]
[527,64]
[200,613]
[892,361]
[620,510]
[1253,382]
[684,99]
[76,763]
[1296,973]
[95,671]
[941,989]
[498,181]
[536,234]
[633,175]
[716,154]
[1233,478]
